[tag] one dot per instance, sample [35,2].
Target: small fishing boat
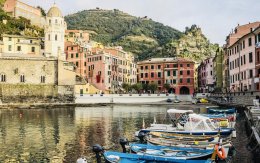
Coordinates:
[174,152]
[118,157]
[182,137]
[221,111]
[193,124]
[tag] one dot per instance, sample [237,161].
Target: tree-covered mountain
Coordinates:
[141,36]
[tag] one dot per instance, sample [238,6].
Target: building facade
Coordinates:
[240,58]
[205,76]
[54,31]
[177,72]
[16,44]
[17,8]
[257,59]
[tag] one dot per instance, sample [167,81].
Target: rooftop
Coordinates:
[165,60]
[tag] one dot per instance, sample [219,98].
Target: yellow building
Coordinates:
[1,46]
[86,88]
[15,44]
[196,65]
[76,36]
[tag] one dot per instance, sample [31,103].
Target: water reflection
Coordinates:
[63,135]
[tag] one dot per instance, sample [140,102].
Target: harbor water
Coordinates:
[65,134]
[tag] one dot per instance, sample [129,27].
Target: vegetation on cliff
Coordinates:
[142,36]
[17,26]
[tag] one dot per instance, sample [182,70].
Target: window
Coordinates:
[241,60]
[10,38]
[159,66]
[49,21]
[2,78]
[9,47]
[188,72]
[42,79]
[152,66]
[181,73]
[152,75]
[244,59]
[159,74]
[181,65]
[56,38]
[188,65]
[56,21]
[77,64]
[142,75]
[243,44]
[168,73]
[174,73]
[211,73]
[180,80]
[142,67]
[250,57]
[175,65]
[71,55]
[159,82]
[33,49]
[22,78]
[250,41]
[188,80]
[146,75]
[146,67]
[18,48]
[250,73]
[85,64]
[174,81]
[49,37]
[77,55]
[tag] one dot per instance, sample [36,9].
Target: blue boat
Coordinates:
[174,152]
[118,157]
[221,111]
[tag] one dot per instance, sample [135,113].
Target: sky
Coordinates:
[216,18]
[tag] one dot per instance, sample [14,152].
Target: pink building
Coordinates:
[241,57]
[108,68]
[205,76]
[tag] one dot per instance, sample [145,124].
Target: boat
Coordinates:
[118,157]
[193,124]
[221,111]
[181,137]
[174,152]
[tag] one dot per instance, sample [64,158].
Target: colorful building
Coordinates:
[177,72]
[205,76]
[257,60]
[20,45]
[109,68]
[76,36]
[17,8]
[218,66]
[240,58]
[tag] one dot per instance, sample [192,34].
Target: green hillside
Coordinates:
[142,36]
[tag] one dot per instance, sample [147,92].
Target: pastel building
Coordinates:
[242,59]
[20,45]
[177,72]
[108,68]
[205,76]
[17,8]
[257,60]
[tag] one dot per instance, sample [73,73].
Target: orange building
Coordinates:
[178,72]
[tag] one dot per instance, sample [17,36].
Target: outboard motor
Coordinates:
[82,160]
[123,142]
[98,149]
[141,136]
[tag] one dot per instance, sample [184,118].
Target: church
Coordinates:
[34,69]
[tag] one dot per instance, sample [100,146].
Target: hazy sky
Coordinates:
[215,17]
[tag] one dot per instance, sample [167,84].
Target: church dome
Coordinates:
[54,12]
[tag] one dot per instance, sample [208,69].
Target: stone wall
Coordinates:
[29,93]
[238,98]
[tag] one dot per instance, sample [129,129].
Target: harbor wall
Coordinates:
[35,93]
[238,98]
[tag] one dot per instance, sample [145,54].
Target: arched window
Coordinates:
[2,78]
[42,79]
[22,78]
